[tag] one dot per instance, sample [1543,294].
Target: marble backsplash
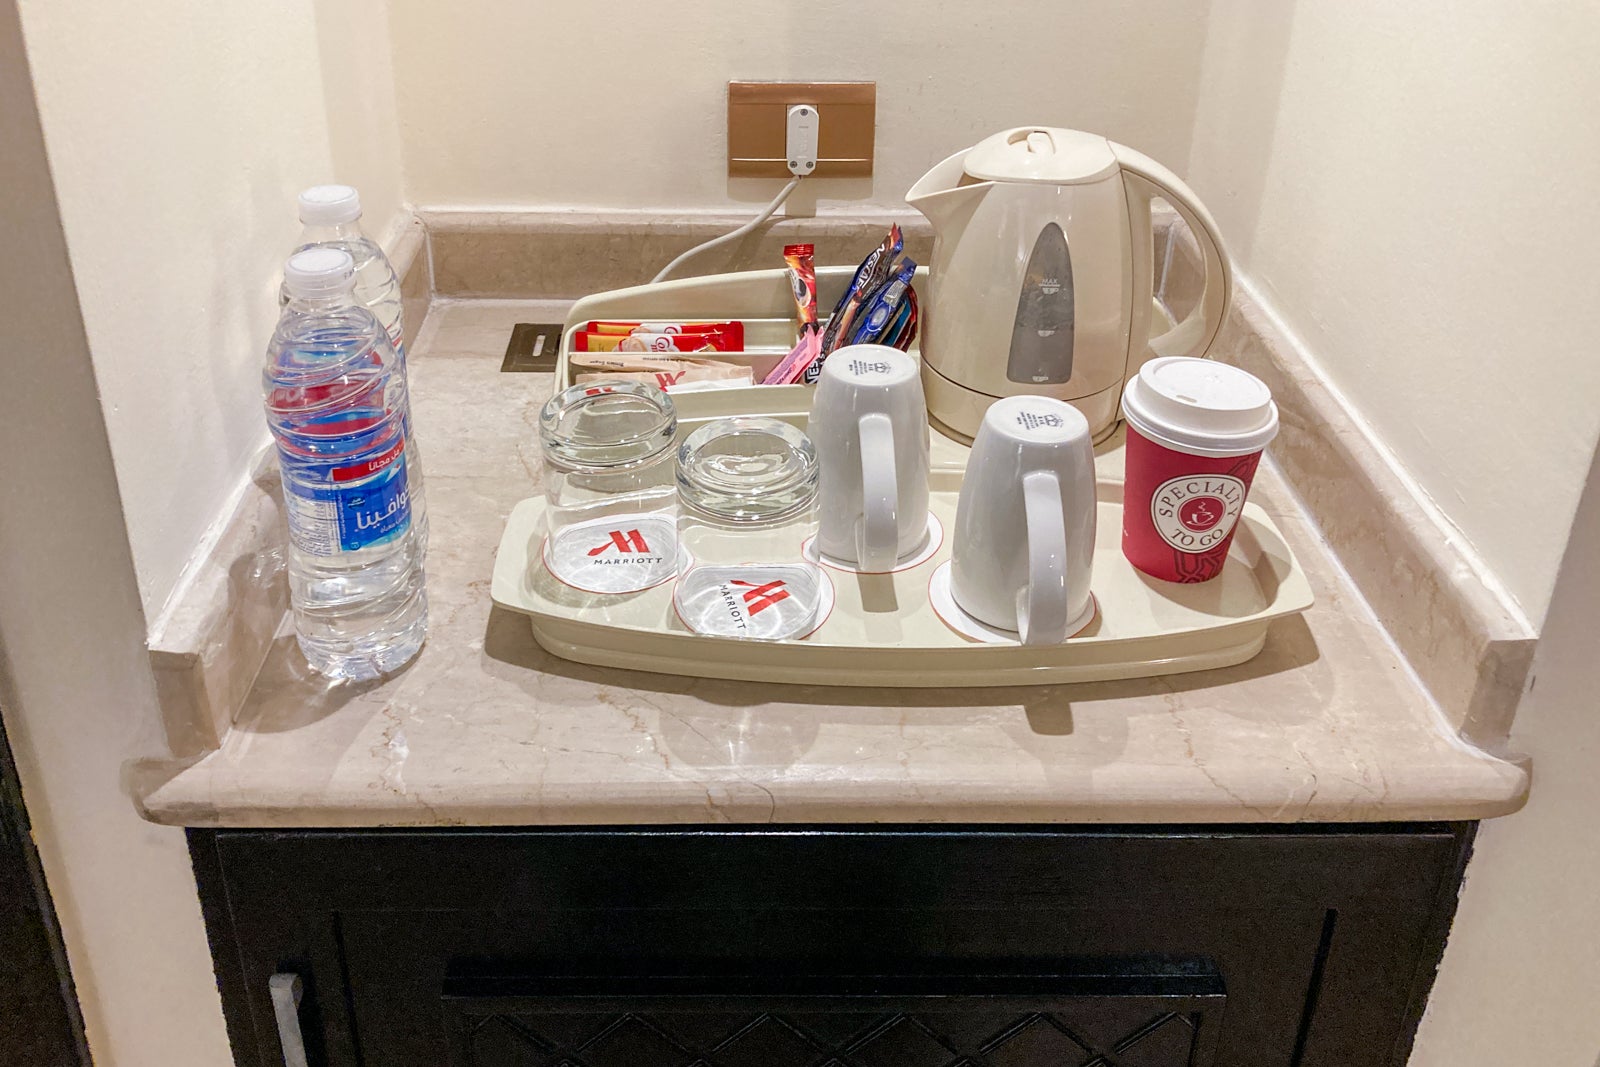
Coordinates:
[1468,648]
[567,255]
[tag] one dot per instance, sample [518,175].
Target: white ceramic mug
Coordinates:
[869,424]
[1024,537]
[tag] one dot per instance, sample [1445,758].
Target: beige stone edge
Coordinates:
[1468,646]
[209,644]
[1463,636]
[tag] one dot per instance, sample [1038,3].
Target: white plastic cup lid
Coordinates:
[1201,407]
[329,205]
[320,272]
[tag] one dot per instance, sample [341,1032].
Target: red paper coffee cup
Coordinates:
[1196,430]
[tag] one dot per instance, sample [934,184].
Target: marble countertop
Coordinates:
[1327,724]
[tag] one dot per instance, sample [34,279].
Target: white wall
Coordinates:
[504,102]
[179,132]
[1412,187]
[354,44]
[75,682]
[1519,984]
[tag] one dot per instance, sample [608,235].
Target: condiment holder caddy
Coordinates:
[762,299]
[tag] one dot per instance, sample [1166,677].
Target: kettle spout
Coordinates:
[940,195]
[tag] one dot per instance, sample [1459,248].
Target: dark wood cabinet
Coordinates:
[832,946]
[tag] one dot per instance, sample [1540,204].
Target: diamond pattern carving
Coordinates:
[948,1034]
[899,1041]
[772,1041]
[1040,1039]
[633,1040]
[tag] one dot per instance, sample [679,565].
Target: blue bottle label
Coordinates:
[361,505]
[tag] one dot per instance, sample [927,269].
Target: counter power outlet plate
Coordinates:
[759,121]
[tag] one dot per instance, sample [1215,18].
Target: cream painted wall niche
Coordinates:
[510,104]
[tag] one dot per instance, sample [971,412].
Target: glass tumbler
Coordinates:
[609,494]
[747,503]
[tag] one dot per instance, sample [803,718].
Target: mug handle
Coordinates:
[1042,603]
[878,532]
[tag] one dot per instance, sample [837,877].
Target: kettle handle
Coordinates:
[1145,179]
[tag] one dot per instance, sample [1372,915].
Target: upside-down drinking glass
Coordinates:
[747,503]
[608,484]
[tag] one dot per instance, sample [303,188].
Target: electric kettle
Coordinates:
[1043,272]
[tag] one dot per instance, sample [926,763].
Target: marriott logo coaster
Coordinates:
[620,554]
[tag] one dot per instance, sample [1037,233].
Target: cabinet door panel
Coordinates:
[420,946]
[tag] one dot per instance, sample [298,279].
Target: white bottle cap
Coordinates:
[320,272]
[329,205]
[1201,407]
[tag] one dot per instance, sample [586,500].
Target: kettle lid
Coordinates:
[1041,154]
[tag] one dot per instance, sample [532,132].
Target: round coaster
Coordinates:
[932,538]
[621,554]
[954,616]
[755,602]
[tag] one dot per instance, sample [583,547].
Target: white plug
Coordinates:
[800,142]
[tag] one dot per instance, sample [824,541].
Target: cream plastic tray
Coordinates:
[883,630]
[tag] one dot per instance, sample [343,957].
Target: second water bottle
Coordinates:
[337,405]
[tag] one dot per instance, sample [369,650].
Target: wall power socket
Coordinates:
[760,116]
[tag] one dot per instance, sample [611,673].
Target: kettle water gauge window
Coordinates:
[1041,335]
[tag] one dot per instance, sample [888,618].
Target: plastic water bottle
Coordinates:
[336,403]
[331,215]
